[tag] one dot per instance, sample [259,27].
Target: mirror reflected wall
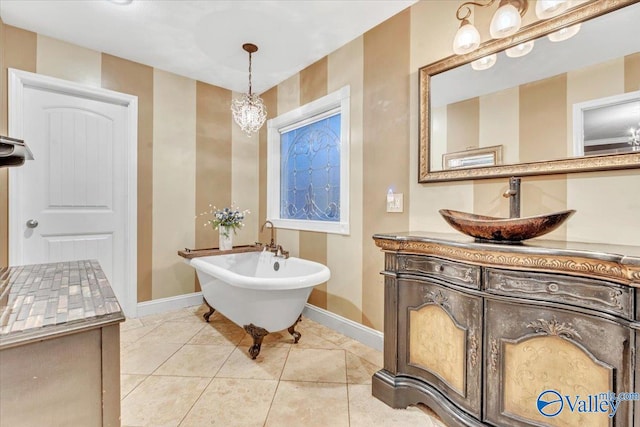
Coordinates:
[568,105]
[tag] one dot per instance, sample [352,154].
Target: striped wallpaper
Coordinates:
[217,164]
[188,153]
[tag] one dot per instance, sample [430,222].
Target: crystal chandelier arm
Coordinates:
[466,6]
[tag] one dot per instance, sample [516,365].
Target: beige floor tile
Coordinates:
[311,340]
[218,317]
[130,323]
[317,365]
[274,339]
[435,418]
[367,411]
[187,315]
[309,404]
[135,334]
[174,332]
[144,357]
[367,353]
[224,334]
[156,319]
[128,382]
[232,402]
[196,361]
[268,365]
[162,401]
[359,371]
[328,334]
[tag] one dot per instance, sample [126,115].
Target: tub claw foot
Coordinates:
[257,333]
[296,335]
[209,313]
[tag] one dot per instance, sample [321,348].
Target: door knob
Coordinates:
[32,223]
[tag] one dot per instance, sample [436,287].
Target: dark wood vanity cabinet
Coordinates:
[441,331]
[480,332]
[532,348]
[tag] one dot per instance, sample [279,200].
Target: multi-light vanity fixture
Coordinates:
[507,21]
[249,111]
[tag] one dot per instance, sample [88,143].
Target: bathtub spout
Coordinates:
[281,252]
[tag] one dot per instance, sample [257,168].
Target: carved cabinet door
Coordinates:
[439,339]
[553,367]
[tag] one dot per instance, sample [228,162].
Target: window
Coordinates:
[308,166]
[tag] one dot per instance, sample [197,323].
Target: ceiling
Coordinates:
[203,39]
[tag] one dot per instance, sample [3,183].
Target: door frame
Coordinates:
[18,80]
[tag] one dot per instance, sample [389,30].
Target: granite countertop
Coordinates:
[42,301]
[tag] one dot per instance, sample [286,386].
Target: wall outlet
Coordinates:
[395,202]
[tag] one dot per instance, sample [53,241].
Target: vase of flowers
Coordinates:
[227,221]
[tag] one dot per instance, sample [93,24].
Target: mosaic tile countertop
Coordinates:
[41,301]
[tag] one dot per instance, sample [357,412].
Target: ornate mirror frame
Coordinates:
[538,29]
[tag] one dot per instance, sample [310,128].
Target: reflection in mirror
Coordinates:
[608,125]
[540,100]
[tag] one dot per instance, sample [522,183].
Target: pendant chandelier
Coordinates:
[249,111]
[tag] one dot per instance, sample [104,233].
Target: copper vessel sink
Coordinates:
[504,230]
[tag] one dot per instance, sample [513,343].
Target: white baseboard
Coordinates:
[358,332]
[162,305]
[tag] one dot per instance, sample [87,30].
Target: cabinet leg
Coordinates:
[292,331]
[257,333]
[209,313]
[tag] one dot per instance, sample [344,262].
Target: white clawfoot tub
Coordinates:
[258,291]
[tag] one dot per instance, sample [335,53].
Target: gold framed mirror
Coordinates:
[527,150]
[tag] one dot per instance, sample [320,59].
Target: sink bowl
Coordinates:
[504,230]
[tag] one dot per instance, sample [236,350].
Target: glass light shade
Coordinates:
[520,50]
[249,113]
[505,22]
[484,63]
[467,39]
[565,33]
[549,8]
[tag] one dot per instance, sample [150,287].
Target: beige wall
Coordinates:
[188,155]
[174,169]
[381,68]
[460,138]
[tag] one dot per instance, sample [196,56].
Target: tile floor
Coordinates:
[178,370]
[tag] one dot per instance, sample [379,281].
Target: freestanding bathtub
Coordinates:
[258,291]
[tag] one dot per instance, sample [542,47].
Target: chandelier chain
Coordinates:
[249,73]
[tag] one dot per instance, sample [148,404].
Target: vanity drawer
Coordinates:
[581,292]
[455,272]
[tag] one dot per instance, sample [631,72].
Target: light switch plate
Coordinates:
[395,203]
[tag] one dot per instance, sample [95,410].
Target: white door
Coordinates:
[72,201]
